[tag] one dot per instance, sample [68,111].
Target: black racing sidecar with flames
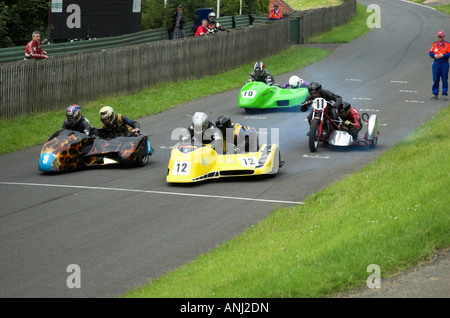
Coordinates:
[69,150]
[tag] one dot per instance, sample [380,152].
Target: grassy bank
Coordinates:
[392,213]
[444,8]
[299,5]
[345,33]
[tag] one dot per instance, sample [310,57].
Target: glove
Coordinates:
[304,107]
[348,123]
[135,131]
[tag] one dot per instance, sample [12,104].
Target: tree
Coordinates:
[19,18]
[155,16]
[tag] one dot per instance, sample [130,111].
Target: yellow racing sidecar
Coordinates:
[194,162]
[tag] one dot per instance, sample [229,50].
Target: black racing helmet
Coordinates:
[314,89]
[223,122]
[344,109]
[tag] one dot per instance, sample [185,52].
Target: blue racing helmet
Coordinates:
[73,113]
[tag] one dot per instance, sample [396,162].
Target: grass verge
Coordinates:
[300,5]
[392,213]
[347,32]
[444,8]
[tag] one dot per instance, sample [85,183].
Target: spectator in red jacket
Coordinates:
[202,29]
[275,14]
[33,50]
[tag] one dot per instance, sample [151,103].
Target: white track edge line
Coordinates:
[148,191]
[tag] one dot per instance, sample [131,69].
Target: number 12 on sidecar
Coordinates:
[325,129]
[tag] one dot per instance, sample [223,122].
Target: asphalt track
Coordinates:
[124,227]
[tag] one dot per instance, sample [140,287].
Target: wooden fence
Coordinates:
[35,86]
[324,19]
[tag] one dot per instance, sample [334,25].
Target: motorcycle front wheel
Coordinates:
[314,136]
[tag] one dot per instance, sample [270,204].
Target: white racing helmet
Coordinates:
[200,121]
[295,81]
[212,15]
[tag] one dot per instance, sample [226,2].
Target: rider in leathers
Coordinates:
[116,125]
[204,131]
[261,74]
[315,91]
[75,120]
[351,119]
[242,138]
[213,26]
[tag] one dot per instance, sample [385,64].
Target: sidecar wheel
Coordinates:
[142,161]
[142,157]
[374,143]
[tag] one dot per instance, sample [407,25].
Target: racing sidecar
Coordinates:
[343,138]
[193,162]
[256,96]
[69,150]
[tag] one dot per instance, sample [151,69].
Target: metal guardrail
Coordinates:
[17,53]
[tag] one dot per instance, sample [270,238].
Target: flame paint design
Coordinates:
[74,150]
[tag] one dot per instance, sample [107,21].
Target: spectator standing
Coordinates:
[178,24]
[440,52]
[202,29]
[275,14]
[33,50]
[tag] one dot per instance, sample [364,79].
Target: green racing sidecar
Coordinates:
[258,96]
